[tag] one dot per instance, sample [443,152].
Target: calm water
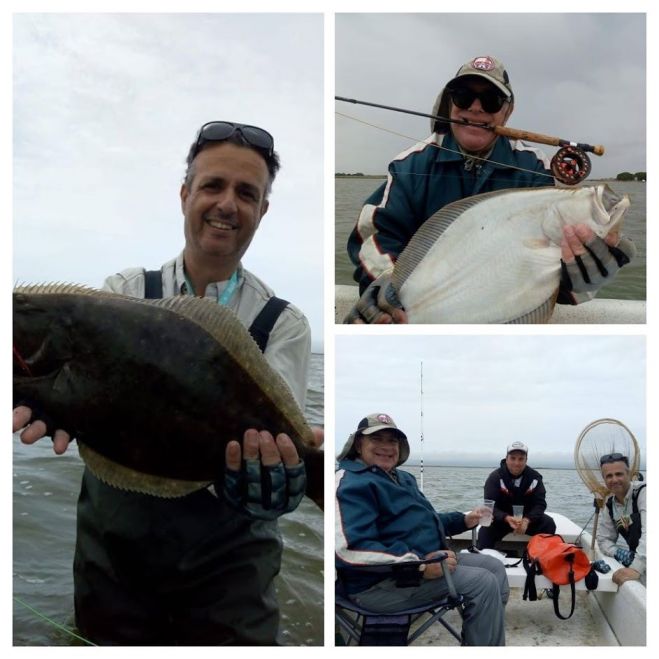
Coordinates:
[45,494]
[350,194]
[461,488]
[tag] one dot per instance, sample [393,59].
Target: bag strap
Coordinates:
[261,327]
[531,568]
[555,590]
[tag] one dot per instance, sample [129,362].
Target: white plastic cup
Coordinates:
[518,512]
[486,510]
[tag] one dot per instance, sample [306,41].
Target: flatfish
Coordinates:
[152,389]
[495,257]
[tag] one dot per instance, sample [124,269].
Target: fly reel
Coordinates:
[570,165]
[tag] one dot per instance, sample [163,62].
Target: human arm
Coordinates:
[358,538]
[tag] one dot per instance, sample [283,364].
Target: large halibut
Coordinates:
[495,257]
[152,389]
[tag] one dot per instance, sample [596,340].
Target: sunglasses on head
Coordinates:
[491,100]
[218,131]
[613,457]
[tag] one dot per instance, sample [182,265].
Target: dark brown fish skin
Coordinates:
[142,386]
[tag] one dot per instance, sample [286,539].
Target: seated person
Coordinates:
[514,483]
[383,518]
[621,529]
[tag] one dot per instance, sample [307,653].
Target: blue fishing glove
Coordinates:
[624,556]
[378,299]
[589,272]
[601,566]
[265,492]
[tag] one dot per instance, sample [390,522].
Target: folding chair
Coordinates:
[367,627]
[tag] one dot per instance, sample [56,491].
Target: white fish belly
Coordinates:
[492,265]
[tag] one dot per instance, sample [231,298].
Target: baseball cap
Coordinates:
[374,422]
[484,66]
[489,68]
[370,424]
[517,446]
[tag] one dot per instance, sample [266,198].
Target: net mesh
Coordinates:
[600,438]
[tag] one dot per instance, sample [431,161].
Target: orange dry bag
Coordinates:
[559,562]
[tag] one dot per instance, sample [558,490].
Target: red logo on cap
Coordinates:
[484,64]
[384,418]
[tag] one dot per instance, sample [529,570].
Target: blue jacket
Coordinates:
[424,179]
[383,518]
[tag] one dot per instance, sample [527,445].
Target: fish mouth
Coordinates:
[613,205]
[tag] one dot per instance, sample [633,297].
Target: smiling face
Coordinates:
[381,448]
[516,462]
[617,478]
[223,204]
[471,139]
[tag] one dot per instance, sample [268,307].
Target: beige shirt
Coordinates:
[289,345]
[607,535]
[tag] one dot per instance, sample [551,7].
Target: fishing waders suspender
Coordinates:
[633,534]
[261,327]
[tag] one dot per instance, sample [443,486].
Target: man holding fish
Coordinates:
[459,160]
[199,569]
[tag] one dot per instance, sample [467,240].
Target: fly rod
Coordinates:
[570,164]
[514,133]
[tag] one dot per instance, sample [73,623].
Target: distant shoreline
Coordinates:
[383,176]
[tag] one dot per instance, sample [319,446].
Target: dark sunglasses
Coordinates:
[613,457]
[217,131]
[491,100]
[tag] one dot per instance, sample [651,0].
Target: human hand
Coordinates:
[35,428]
[523,525]
[624,556]
[588,261]
[436,570]
[473,517]
[266,478]
[378,305]
[513,522]
[625,574]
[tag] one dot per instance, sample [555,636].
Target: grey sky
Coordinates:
[482,392]
[105,108]
[577,76]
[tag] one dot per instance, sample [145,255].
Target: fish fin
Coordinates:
[314,464]
[124,478]
[539,315]
[61,288]
[430,231]
[537,243]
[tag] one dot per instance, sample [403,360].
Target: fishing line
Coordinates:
[444,148]
[52,622]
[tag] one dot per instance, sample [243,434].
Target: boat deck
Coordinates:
[535,624]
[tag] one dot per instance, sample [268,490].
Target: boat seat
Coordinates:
[355,624]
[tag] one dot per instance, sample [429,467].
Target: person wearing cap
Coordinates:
[514,483]
[200,569]
[621,532]
[455,162]
[382,518]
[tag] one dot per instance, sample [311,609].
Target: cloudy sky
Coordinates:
[105,108]
[482,392]
[580,77]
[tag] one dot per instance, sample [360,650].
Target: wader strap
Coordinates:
[152,284]
[261,327]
